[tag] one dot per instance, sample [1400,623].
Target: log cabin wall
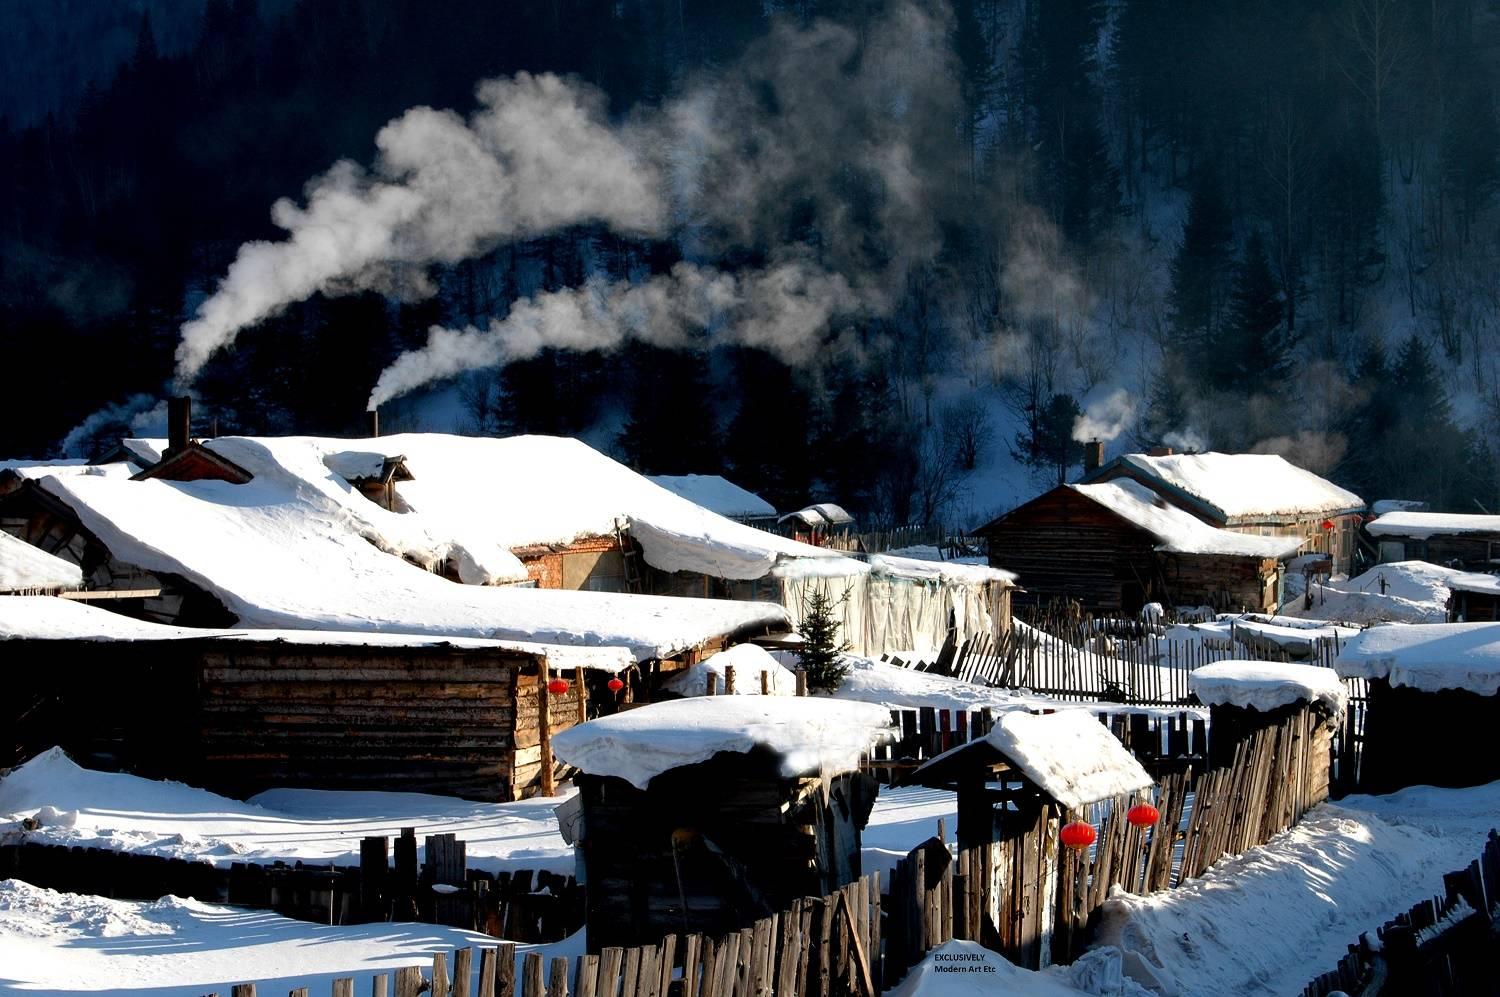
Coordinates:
[1229,584]
[562,712]
[1416,738]
[240,717]
[1063,545]
[712,847]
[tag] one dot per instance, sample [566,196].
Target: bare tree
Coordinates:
[967,433]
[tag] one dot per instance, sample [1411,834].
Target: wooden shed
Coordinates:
[243,711]
[1016,787]
[1116,546]
[1434,703]
[1458,540]
[706,814]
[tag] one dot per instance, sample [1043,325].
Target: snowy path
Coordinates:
[1267,921]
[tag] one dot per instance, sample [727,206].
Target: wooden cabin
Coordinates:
[1016,787]
[1253,494]
[1116,546]
[243,711]
[1297,706]
[1473,598]
[1433,704]
[706,814]
[1456,540]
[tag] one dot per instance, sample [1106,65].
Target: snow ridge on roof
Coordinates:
[24,568]
[812,735]
[1421,525]
[716,494]
[1176,530]
[1427,656]
[1267,685]
[1246,485]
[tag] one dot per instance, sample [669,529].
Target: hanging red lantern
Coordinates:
[557,686]
[1142,815]
[1077,834]
[614,684]
[1327,524]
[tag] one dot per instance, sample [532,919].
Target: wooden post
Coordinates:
[380,985]
[409,981]
[344,987]
[242,990]
[544,728]
[463,961]
[297,992]
[729,680]
[486,972]
[505,969]
[439,973]
[532,984]
[801,681]
[374,866]
[557,977]
[711,683]
[586,984]
[765,683]
[581,692]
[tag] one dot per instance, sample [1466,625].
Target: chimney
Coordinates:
[179,423]
[374,415]
[1093,456]
[1159,452]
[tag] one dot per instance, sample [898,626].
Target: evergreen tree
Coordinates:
[1255,357]
[1201,266]
[1470,151]
[1166,408]
[1051,447]
[821,654]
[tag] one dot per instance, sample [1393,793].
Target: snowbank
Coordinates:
[967,969]
[716,494]
[1427,657]
[1422,525]
[64,943]
[50,618]
[871,681]
[24,568]
[1178,531]
[1267,685]
[119,812]
[1247,486]
[1415,592]
[748,661]
[811,735]
[1266,922]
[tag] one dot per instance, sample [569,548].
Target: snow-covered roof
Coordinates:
[1246,486]
[1421,525]
[24,568]
[298,547]
[1176,530]
[748,661]
[717,494]
[1382,506]
[1475,581]
[1267,685]
[1071,756]
[51,618]
[820,514]
[1427,656]
[811,735]
[953,572]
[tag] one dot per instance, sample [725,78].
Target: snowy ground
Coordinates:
[56,943]
[1269,920]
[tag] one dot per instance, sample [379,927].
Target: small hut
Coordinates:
[1016,786]
[1462,540]
[1434,703]
[1473,598]
[706,814]
[1301,704]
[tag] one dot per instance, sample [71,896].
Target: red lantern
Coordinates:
[615,685]
[1327,524]
[557,686]
[1142,815]
[1077,834]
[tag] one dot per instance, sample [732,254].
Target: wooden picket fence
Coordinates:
[820,947]
[1446,945]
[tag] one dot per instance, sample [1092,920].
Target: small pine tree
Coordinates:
[822,649]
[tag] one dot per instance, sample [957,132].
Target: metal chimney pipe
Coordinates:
[1093,456]
[179,423]
[374,415]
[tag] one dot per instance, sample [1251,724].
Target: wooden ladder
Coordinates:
[628,555]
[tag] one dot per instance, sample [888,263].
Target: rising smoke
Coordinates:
[752,164]
[1105,418]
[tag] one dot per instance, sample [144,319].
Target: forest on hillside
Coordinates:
[1004,226]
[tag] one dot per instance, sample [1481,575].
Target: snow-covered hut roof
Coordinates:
[811,735]
[1176,530]
[24,568]
[51,618]
[1422,525]
[299,547]
[1267,685]
[1382,506]
[819,515]
[1475,581]
[1427,656]
[1241,486]
[717,494]
[1069,755]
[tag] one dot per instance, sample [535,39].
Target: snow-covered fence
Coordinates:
[1443,945]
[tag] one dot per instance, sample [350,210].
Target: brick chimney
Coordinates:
[1093,456]
[179,423]
[1159,452]
[374,415]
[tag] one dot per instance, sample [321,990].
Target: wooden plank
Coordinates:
[557,977]
[505,969]
[586,983]
[544,729]
[380,985]
[646,977]
[631,975]
[666,960]
[409,982]
[610,958]
[242,990]
[439,973]
[343,987]
[297,992]
[692,953]
[532,983]
[861,956]
[463,962]
[486,972]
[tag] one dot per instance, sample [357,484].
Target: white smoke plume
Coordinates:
[536,156]
[1105,418]
[1187,440]
[781,309]
[139,415]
